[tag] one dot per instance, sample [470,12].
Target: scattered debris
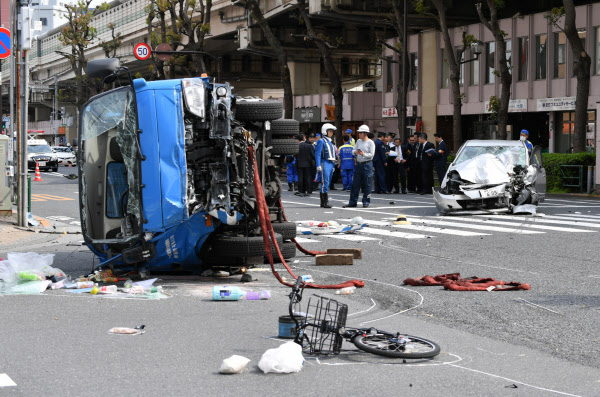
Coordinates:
[234,365]
[334,260]
[287,358]
[330,227]
[525,209]
[356,252]
[402,220]
[513,386]
[454,282]
[307,279]
[392,203]
[226,293]
[345,291]
[246,278]
[127,331]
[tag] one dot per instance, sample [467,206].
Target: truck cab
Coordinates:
[166,177]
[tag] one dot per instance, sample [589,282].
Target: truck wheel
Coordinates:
[288,250]
[258,110]
[285,127]
[284,146]
[286,229]
[231,247]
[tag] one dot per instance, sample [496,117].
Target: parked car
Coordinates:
[166,180]
[492,176]
[38,151]
[65,155]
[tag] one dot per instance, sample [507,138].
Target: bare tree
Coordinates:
[454,60]
[582,66]
[110,47]
[493,26]
[325,47]
[284,70]
[186,29]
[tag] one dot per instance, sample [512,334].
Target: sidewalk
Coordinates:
[13,236]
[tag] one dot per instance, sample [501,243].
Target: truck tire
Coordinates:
[232,246]
[258,111]
[284,146]
[288,250]
[288,127]
[286,229]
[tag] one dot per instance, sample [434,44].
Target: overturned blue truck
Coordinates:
[166,177]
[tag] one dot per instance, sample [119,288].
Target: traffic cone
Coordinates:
[38,176]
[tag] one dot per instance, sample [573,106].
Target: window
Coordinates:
[522,72]
[582,37]
[44,21]
[445,71]
[540,57]
[474,69]
[461,66]
[508,53]
[560,55]
[414,71]
[597,50]
[490,49]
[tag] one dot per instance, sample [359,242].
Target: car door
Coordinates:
[540,183]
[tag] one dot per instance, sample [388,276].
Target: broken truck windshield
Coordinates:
[110,198]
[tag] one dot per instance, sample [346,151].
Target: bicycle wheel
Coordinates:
[401,346]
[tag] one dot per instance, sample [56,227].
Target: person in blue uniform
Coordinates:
[352,141]
[525,138]
[292,174]
[346,162]
[325,159]
[379,161]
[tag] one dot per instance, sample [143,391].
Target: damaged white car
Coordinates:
[492,176]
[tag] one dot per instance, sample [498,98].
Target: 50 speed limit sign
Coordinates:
[142,51]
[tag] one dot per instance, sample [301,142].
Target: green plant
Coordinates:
[552,163]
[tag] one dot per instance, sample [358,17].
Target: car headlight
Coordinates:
[194,94]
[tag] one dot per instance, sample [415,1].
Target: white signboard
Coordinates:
[514,106]
[552,104]
[392,112]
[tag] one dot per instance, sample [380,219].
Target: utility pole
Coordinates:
[55,106]
[402,116]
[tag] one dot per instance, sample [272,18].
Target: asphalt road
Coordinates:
[528,343]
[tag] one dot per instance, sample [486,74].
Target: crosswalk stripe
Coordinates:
[428,229]
[572,218]
[349,237]
[579,215]
[381,232]
[528,225]
[543,220]
[477,227]
[569,201]
[6,381]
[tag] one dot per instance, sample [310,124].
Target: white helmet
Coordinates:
[363,128]
[327,126]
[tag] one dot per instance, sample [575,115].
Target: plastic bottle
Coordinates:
[85,284]
[155,290]
[226,293]
[345,291]
[128,283]
[265,294]
[95,290]
[32,276]
[108,289]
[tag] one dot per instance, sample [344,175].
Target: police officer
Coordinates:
[292,174]
[346,162]
[325,159]
[525,138]
[440,158]
[379,162]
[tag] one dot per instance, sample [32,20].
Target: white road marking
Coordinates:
[371,230]
[572,218]
[569,206]
[306,240]
[544,220]
[478,227]
[59,218]
[525,225]
[569,201]
[350,237]
[6,381]
[579,215]
[422,228]
[77,223]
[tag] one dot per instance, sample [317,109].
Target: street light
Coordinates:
[477,49]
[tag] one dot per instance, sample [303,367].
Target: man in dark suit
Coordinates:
[379,162]
[426,164]
[305,160]
[440,157]
[409,166]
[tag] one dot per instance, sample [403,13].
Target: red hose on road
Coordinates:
[267,232]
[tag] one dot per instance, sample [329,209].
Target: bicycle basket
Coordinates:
[324,318]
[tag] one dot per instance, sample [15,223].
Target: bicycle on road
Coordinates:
[322,329]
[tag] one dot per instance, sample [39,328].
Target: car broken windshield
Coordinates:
[509,155]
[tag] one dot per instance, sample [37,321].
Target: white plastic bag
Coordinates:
[234,365]
[285,359]
[7,272]
[31,261]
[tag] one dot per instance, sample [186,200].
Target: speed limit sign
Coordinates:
[142,51]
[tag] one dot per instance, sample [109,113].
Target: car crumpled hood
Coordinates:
[485,169]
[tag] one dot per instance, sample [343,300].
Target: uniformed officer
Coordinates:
[352,141]
[292,174]
[379,162]
[346,162]
[325,159]
[525,138]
